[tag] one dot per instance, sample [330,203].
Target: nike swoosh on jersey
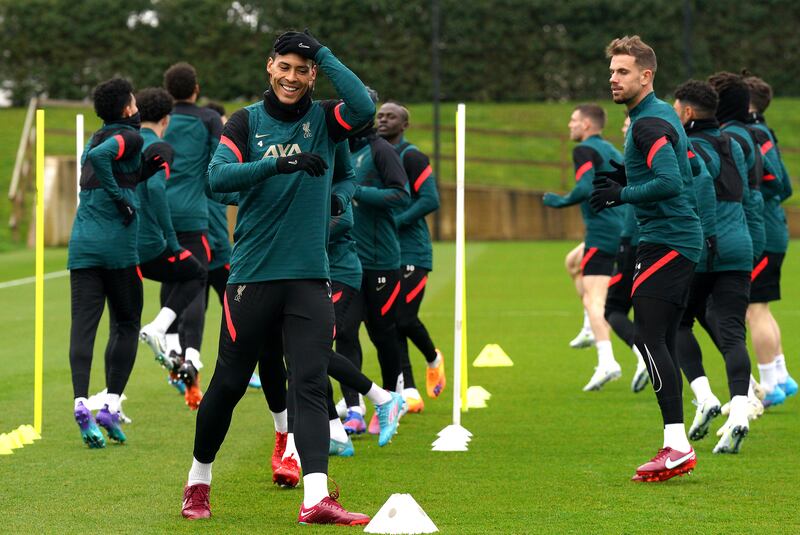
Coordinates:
[259,136]
[670,464]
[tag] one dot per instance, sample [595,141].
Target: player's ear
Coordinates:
[270,62]
[313,72]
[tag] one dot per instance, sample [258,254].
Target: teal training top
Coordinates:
[775,228]
[110,169]
[282,223]
[603,229]
[342,251]
[660,183]
[193,133]
[156,233]
[415,238]
[218,239]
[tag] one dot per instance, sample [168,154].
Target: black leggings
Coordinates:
[217,279]
[618,300]
[185,275]
[189,325]
[304,311]
[656,323]
[379,292]
[90,288]
[719,303]
[409,326]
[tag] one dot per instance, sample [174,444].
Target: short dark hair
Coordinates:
[154,103]
[110,97]
[180,80]
[633,46]
[594,113]
[217,107]
[401,106]
[699,95]
[722,81]
[760,91]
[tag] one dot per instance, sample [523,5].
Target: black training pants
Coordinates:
[379,291]
[183,273]
[409,326]
[304,310]
[191,322]
[217,279]
[90,289]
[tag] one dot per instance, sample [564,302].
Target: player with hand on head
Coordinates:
[592,156]
[660,186]
[278,155]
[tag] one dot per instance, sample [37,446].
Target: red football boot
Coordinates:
[667,463]
[328,511]
[287,474]
[280,447]
[195,501]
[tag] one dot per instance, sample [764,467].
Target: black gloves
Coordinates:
[336,206]
[711,244]
[303,44]
[127,211]
[305,161]
[607,193]
[155,157]
[617,175]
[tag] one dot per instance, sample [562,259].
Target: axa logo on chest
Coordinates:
[279,150]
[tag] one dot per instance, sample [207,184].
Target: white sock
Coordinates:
[174,343]
[377,395]
[164,319]
[436,362]
[291,449]
[587,325]
[639,359]
[605,354]
[315,488]
[411,393]
[768,376]
[112,401]
[739,408]
[199,473]
[337,430]
[358,409]
[281,420]
[701,389]
[81,400]
[193,356]
[675,438]
[780,369]
[401,383]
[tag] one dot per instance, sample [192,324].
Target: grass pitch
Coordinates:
[545,458]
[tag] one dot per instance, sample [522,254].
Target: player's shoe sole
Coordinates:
[702,420]
[731,440]
[599,379]
[584,339]
[664,475]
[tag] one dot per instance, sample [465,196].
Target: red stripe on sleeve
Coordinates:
[766,147]
[588,256]
[615,279]
[417,289]
[225,140]
[165,165]
[228,320]
[206,245]
[338,116]
[582,170]
[423,176]
[691,155]
[768,178]
[121,143]
[759,268]
[660,142]
[661,262]
[388,305]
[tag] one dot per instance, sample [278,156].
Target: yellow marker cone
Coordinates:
[31,432]
[23,434]
[492,356]
[13,440]
[5,445]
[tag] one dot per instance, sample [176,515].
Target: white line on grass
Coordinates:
[31,280]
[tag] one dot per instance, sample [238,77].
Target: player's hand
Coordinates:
[156,157]
[337,208]
[303,44]
[617,175]
[550,199]
[126,210]
[307,162]
[607,194]
[711,245]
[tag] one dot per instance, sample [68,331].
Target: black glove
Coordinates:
[336,206]
[127,211]
[305,161]
[606,194]
[711,245]
[155,157]
[617,175]
[303,44]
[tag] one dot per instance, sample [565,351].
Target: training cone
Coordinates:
[492,356]
[477,397]
[32,432]
[452,438]
[5,445]
[401,514]
[28,434]
[23,436]
[13,440]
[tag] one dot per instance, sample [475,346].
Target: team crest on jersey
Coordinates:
[279,150]
[307,130]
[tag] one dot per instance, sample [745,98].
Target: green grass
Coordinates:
[545,458]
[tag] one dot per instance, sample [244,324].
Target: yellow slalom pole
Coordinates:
[38,346]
